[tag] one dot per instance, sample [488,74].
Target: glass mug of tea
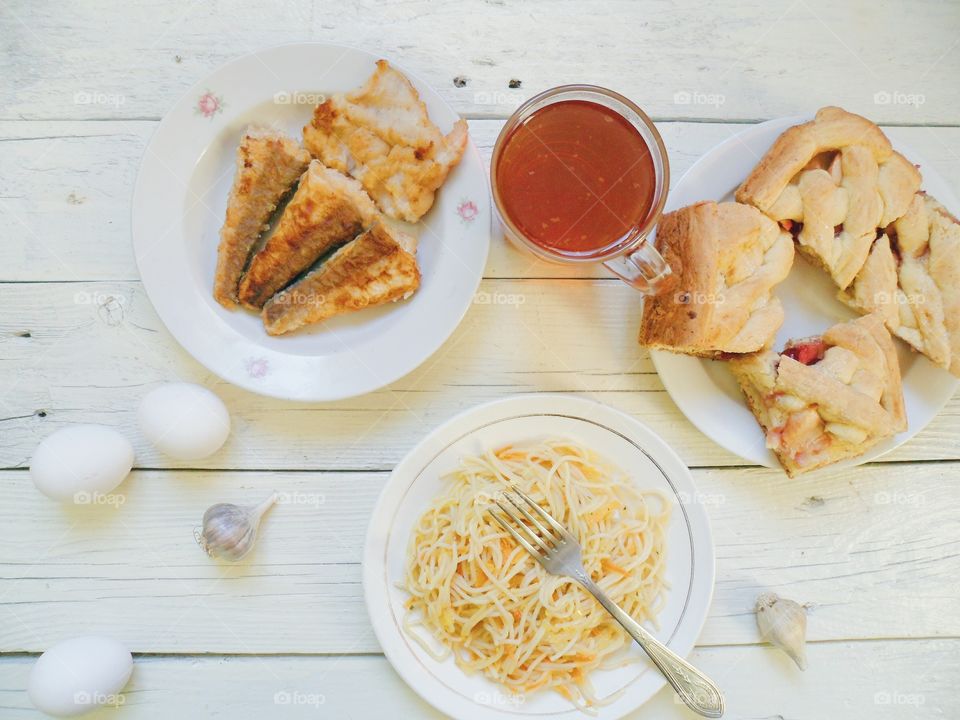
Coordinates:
[580,175]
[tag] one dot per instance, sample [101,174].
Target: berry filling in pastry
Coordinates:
[828,398]
[807,352]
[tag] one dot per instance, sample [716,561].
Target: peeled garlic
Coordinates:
[230,531]
[783,623]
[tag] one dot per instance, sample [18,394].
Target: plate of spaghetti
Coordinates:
[473,623]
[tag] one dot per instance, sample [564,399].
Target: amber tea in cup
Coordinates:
[580,174]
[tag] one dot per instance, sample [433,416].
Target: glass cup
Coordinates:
[630,256]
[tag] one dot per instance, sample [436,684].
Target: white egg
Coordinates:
[76,463]
[185,421]
[78,675]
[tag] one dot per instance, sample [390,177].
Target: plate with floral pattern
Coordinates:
[179,205]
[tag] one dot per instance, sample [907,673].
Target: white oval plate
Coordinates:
[179,204]
[417,480]
[705,390]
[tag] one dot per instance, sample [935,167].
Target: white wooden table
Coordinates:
[82,87]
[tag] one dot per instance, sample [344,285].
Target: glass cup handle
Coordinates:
[643,269]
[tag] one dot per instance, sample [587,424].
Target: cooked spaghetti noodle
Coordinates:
[496,609]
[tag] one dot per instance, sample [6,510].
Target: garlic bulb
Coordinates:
[783,623]
[229,531]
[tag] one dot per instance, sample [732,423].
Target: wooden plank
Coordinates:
[66,187]
[87,352]
[843,680]
[866,549]
[678,60]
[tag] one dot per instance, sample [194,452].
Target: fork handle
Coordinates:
[696,690]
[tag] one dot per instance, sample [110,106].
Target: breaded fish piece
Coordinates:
[378,267]
[327,210]
[353,190]
[268,165]
[381,135]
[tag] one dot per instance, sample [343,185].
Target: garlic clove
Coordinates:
[783,622]
[229,531]
[258,511]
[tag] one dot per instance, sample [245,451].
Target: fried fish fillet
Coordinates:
[268,164]
[378,267]
[327,210]
[381,135]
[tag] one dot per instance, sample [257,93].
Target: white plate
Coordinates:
[705,390]
[416,481]
[179,205]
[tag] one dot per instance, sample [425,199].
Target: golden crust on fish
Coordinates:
[354,192]
[382,135]
[268,165]
[321,215]
[378,267]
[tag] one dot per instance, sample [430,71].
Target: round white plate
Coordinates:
[179,205]
[417,480]
[705,390]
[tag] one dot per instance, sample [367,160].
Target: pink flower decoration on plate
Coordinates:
[209,104]
[467,210]
[257,367]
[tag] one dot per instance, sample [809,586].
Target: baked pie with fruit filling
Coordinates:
[726,259]
[912,278]
[827,398]
[833,182]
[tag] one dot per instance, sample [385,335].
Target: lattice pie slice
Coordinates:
[268,165]
[726,259]
[912,278]
[833,182]
[826,398]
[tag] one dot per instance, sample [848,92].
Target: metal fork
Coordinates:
[559,554]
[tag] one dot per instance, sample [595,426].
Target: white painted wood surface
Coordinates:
[874,550]
[135,567]
[879,676]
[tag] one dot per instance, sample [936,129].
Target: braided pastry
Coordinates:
[912,278]
[833,182]
[726,259]
[828,398]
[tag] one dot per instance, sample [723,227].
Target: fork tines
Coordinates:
[548,540]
